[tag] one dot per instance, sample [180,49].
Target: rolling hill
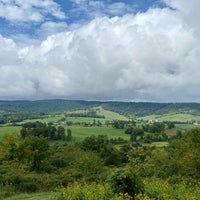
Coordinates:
[130,109]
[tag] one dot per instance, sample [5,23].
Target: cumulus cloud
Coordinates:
[20,11]
[150,56]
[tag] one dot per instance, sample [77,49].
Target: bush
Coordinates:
[84,191]
[126,181]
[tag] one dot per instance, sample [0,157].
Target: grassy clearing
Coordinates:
[173,117]
[79,133]
[186,126]
[109,115]
[47,119]
[11,130]
[35,196]
[173,131]
[85,119]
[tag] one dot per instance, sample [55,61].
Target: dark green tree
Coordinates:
[126,181]
[69,134]
[60,133]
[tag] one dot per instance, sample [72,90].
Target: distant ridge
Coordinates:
[124,108]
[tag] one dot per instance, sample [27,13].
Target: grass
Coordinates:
[11,130]
[186,126]
[79,133]
[109,115]
[173,117]
[35,196]
[85,119]
[47,119]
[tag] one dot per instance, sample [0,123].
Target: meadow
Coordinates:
[9,130]
[177,117]
[79,132]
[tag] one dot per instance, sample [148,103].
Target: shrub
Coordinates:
[126,181]
[84,191]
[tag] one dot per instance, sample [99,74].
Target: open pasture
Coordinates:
[177,117]
[79,133]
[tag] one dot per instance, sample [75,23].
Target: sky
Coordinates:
[131,50]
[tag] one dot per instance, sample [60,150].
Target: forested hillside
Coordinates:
[46,106]
[125,108]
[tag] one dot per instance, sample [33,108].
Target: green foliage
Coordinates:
[13,118]
[40,129]
[104,148]
[119,124]
[35,151]
[6,190]
[32,163]
[85,191]
[89,113]
[94,143]
[170,125]
[126,181]
[124,108]
[186,154]
[163,190]
[69,135]
[156,127]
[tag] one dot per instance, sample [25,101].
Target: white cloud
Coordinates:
[50,28]
[118,8]
[96,8]
[189,11]
[20,11]
[78,1]
[148,56]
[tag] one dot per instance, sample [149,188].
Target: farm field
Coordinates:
[47,119]
[173,117]
[109,115]
[79,132]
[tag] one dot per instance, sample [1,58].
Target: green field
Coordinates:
[109,115]
[173,117]
[186,126]
[11,130]
[79,132]
[46,119]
